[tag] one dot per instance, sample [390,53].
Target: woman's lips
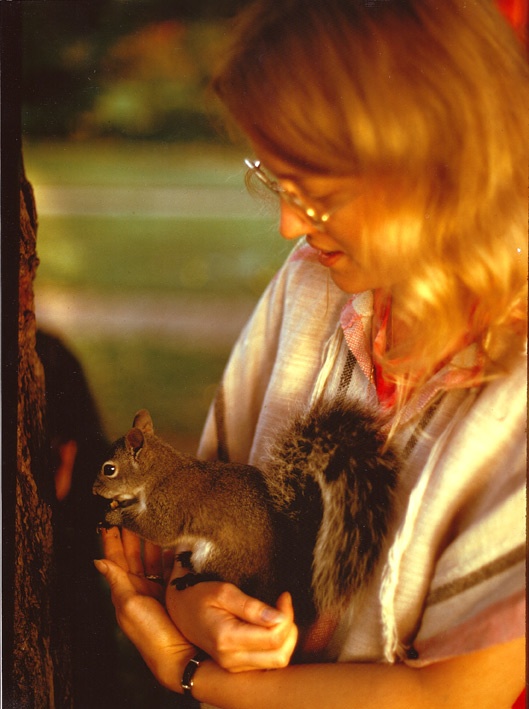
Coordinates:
[328,258]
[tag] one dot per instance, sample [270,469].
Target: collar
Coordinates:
[357,321]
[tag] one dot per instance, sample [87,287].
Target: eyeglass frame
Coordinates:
[307,212]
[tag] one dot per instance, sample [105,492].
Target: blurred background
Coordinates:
[152,254]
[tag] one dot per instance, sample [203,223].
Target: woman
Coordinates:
[394,134]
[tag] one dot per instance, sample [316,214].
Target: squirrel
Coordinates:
[311,522]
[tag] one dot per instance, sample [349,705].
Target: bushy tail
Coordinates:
[331,464]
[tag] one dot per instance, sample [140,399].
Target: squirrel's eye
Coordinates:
[109,470]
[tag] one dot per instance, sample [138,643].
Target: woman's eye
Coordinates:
[326,198]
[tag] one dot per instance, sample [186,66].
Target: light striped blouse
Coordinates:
[452,576]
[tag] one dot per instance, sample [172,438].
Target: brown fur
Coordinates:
[312,522]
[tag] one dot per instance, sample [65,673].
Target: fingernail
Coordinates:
[271,615]
[101,566]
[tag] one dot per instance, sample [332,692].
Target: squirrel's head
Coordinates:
[120,478]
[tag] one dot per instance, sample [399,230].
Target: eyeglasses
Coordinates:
[310,214]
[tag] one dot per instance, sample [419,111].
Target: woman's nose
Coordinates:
[292,224]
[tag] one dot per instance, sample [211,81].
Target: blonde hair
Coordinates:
[432,96]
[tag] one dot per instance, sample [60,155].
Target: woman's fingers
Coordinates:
[132,551]
[167,563]
[125,549]
[241,644]
[113,547]
[258,628]
[242,660]
[152,559]
[253,611]
[118,580]
[145,622]
[239,632]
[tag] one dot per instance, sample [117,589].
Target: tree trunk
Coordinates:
[36,678]
[35,659]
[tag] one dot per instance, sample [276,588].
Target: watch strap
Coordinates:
[189,672]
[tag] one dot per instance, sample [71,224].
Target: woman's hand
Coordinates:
[239,632]
[138,603]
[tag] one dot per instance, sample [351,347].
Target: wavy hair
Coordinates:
[434,97]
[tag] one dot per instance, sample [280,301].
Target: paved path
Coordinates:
[183,202]
[199,322]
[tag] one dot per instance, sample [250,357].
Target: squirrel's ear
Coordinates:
[143,421]
[135,440]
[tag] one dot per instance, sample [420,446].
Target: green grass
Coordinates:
[210,258]
[176,383]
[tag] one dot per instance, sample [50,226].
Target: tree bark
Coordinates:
[35,658]
[36,678]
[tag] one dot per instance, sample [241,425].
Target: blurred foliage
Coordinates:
[62,45]
[129,68]
[213,258]
[154,82]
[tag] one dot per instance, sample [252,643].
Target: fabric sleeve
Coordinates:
[476,597]
[480,605]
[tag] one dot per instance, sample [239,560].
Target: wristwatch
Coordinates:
[189,672]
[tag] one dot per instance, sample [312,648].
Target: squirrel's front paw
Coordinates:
[183,582]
